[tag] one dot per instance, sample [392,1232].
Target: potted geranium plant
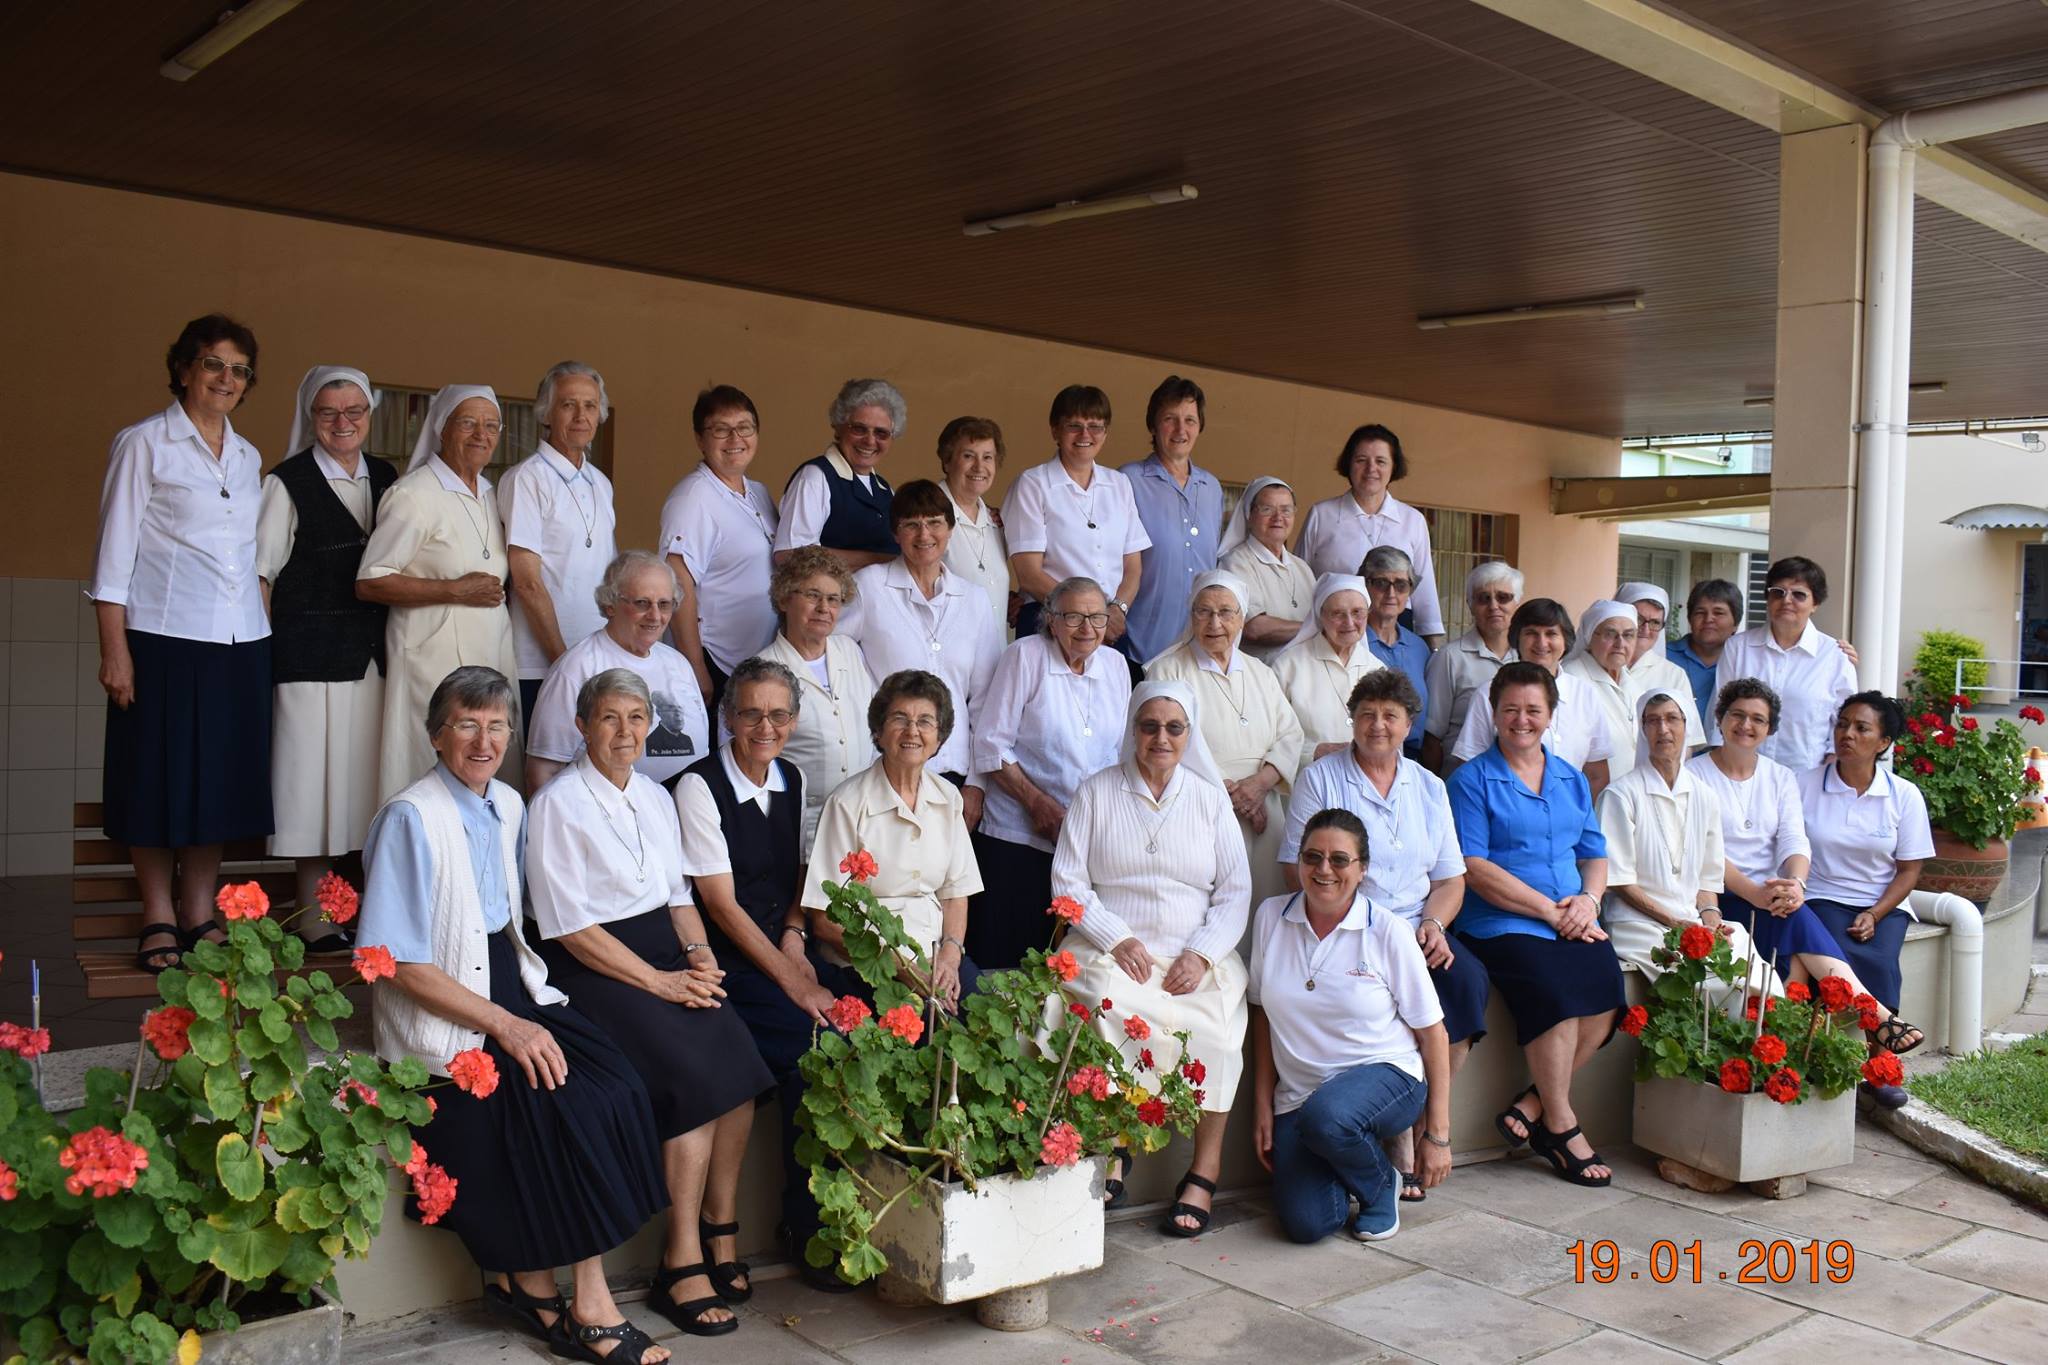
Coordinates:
[930,1134]
[1757,1093]
[224,1189]
[1975,780]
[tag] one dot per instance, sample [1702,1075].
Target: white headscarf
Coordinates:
[318,378]
[1597,615]
[1643,735]
[1215,578]
[1238,529]
[445,403]
[1196,758]
[1328,586]
[1636,591]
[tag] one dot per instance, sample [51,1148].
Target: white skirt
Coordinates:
[1635,938]
[1213,1013]
[1262,852]
[323,765]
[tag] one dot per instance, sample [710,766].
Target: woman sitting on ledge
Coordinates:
[559,1163]
[1348,1044]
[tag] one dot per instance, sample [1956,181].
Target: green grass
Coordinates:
[2001,1094]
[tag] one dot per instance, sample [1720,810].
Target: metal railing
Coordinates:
[2023,672]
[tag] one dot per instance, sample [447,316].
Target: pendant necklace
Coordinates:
[468,516]
[217,465]
[638,848]
[590,521]
[1152,832]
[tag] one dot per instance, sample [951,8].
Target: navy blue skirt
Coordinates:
[1462,989]
[1546,981]
[1876,962]
[1008,918]
[1799,932]
[188,763]
[545,1178]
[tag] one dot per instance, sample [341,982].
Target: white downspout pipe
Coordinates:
[1965,964]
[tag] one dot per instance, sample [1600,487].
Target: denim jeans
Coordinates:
[1331,1147]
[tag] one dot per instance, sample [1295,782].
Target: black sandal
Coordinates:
[1887,1035]
[1170,1226]
[333,941]
[1113,1187]
[725,1275]
[571,1341]
[192,937]
[689,1316]
[147,959]
[516,1305]
[1568,1167]
[1507,1134]
[1411,1188]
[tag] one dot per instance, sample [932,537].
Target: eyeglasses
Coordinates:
[1085,428]
[1074,620]
[725,431]
[1494,599]
[1336,862]
[916,524]
[751,718]
[821,599]
[469,729]
[859,429]
[1216,613]
[1174,728]
[643,605]
[898,720]
[327,417]
[1615,635]
[1389,584]
[469,426]
[1783,594]
[213,364]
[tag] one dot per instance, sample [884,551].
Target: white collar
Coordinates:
[1389,505]
[1056,660]
[962,517]
[612,800]
[897,576]
[1366,784]
[880,797]
[1472,642]
[330,468]
[565,470]
[1808,642]
[1880,781]
[1204,660]
[452,481]
[1266,556]
[743,787]
[1136,785]
[1356,918]
[839,463]
[183,428]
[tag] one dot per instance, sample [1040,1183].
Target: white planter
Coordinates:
[305,1336]
[949,1245]
[1743,1137]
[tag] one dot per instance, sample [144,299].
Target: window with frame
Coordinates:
[401,412]
[1459,542]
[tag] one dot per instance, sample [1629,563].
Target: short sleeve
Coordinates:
[806,505]
[277,524]
[963,872]
[402,526]
[1617,819]
[689,532]
[524,505]
[1916,837]
[555,859]
[1001,708]
[1449,862]
[398,885]
[1592,843]
[1469,812]
[1407,974]
[551,730]
[705,852]
[1024,516]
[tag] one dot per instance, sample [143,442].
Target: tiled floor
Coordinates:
[35,925]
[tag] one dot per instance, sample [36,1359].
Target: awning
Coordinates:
[2001,516]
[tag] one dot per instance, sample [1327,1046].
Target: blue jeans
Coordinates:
[1331,1147]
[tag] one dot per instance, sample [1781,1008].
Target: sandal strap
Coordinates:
[158,930]
[705,1229]
[667,1277]
[628,1335]
[1200,1181]
[519,1298]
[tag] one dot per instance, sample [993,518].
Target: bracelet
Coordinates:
[955,942]
[1436,1141]
[798,930]
[689,948]
[1432,919]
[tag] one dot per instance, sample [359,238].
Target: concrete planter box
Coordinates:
[305,1336]
[1743,1137]
[951,1245]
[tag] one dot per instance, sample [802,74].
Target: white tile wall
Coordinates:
[52,720]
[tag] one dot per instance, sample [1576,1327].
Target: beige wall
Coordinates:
[98,281]
[1967,581]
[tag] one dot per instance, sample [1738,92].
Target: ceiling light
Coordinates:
[1764,400]
[1075,208]
[230,30]
[1529,312]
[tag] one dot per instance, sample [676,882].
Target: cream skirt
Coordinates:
[323,764]
[1213,1014]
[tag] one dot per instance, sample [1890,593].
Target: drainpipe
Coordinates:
[1965,965]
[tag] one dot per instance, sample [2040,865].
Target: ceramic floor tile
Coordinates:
[835,1321]
[1451,1322]
[1258,1257]
[2002,1260]
[1880,1175]
[1900,1297]
[1487,1250]
[2007,1329]
[1527,1190]
[1125,1286]
[960,1340]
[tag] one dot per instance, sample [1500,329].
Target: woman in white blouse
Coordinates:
[1253,733]
[1339,530]
[185,655]
[830,742]
[718,532]
[1607,643]
[437,560]
[604,868]
[910,821]
[1278,582]
[1324,661]
[1542,634]
[1054,714]
[970,453]
[1664,850]
[1150,849]
[1812,673]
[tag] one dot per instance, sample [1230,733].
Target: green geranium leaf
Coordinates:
[291,954]
[239,1166]
[276,1025]
[209,1038]
[288,1131]
[20,1259]
[127,1220]
[97,1266]
[225,1096]
[251,1254]
[410,1072]
[268,1079]
[321,1031]
[205,998]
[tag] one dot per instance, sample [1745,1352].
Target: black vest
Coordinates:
[764,851]
[320,631]
[859,519]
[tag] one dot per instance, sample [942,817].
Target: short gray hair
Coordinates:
[1387,559]
[622,682]
[611,589]
[757,670]
[1062,590]
[861,393]
[1491,572]
[473,688]
[544,397]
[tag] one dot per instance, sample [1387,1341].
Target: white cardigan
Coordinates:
[401,1026]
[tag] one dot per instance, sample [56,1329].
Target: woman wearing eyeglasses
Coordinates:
[1054,714]
[839,500]
[185,650]
[970,453]
[829,741]
[1150,850]
[1459,672]
[636,597]
[1600,665]
[1790,655]
[1389,576]
[1324,661]
[437,560]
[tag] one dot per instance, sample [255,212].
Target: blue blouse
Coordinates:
[1410,654]
[1536,836]
[1702,676]
[398,872]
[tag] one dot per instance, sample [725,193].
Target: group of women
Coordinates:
[1307,819]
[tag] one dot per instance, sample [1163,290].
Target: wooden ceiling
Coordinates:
[1359,163]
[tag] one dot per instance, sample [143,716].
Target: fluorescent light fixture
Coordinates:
[231,30]
[1076,208]
[1764,400]
[1530,312]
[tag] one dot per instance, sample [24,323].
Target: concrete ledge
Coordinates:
[1963,1147]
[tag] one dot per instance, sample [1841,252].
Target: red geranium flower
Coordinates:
[1835,993]
[848,1013]
[474,1071]
[1946,739]
[1153,1111]
[905,1022]
[338,900]
[1923,766]
[1061,1146]
[1634,1020]
[10,1183]
[1768,1049]
[1760,1005]
[1884,1069]
[1019,1104]
[1063,965]
[1969,722]
[1735,1077]
[858,865]
[1107,1005]
[1079,1011]
[167,1030]
[375,962]
[1783,1086]
[101,1162]
[434,1189]
[243,900]
[1145,1062]
[1066,908]
[1137,1029]
[1960,702]
[1089,1080]
[2034,714]
[1798,991]
[357,1089]
[1194,1071]
[1696,941]
[23,1041]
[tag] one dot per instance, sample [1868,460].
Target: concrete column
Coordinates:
[1821,177]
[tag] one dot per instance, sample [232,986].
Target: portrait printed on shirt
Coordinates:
[669,738]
